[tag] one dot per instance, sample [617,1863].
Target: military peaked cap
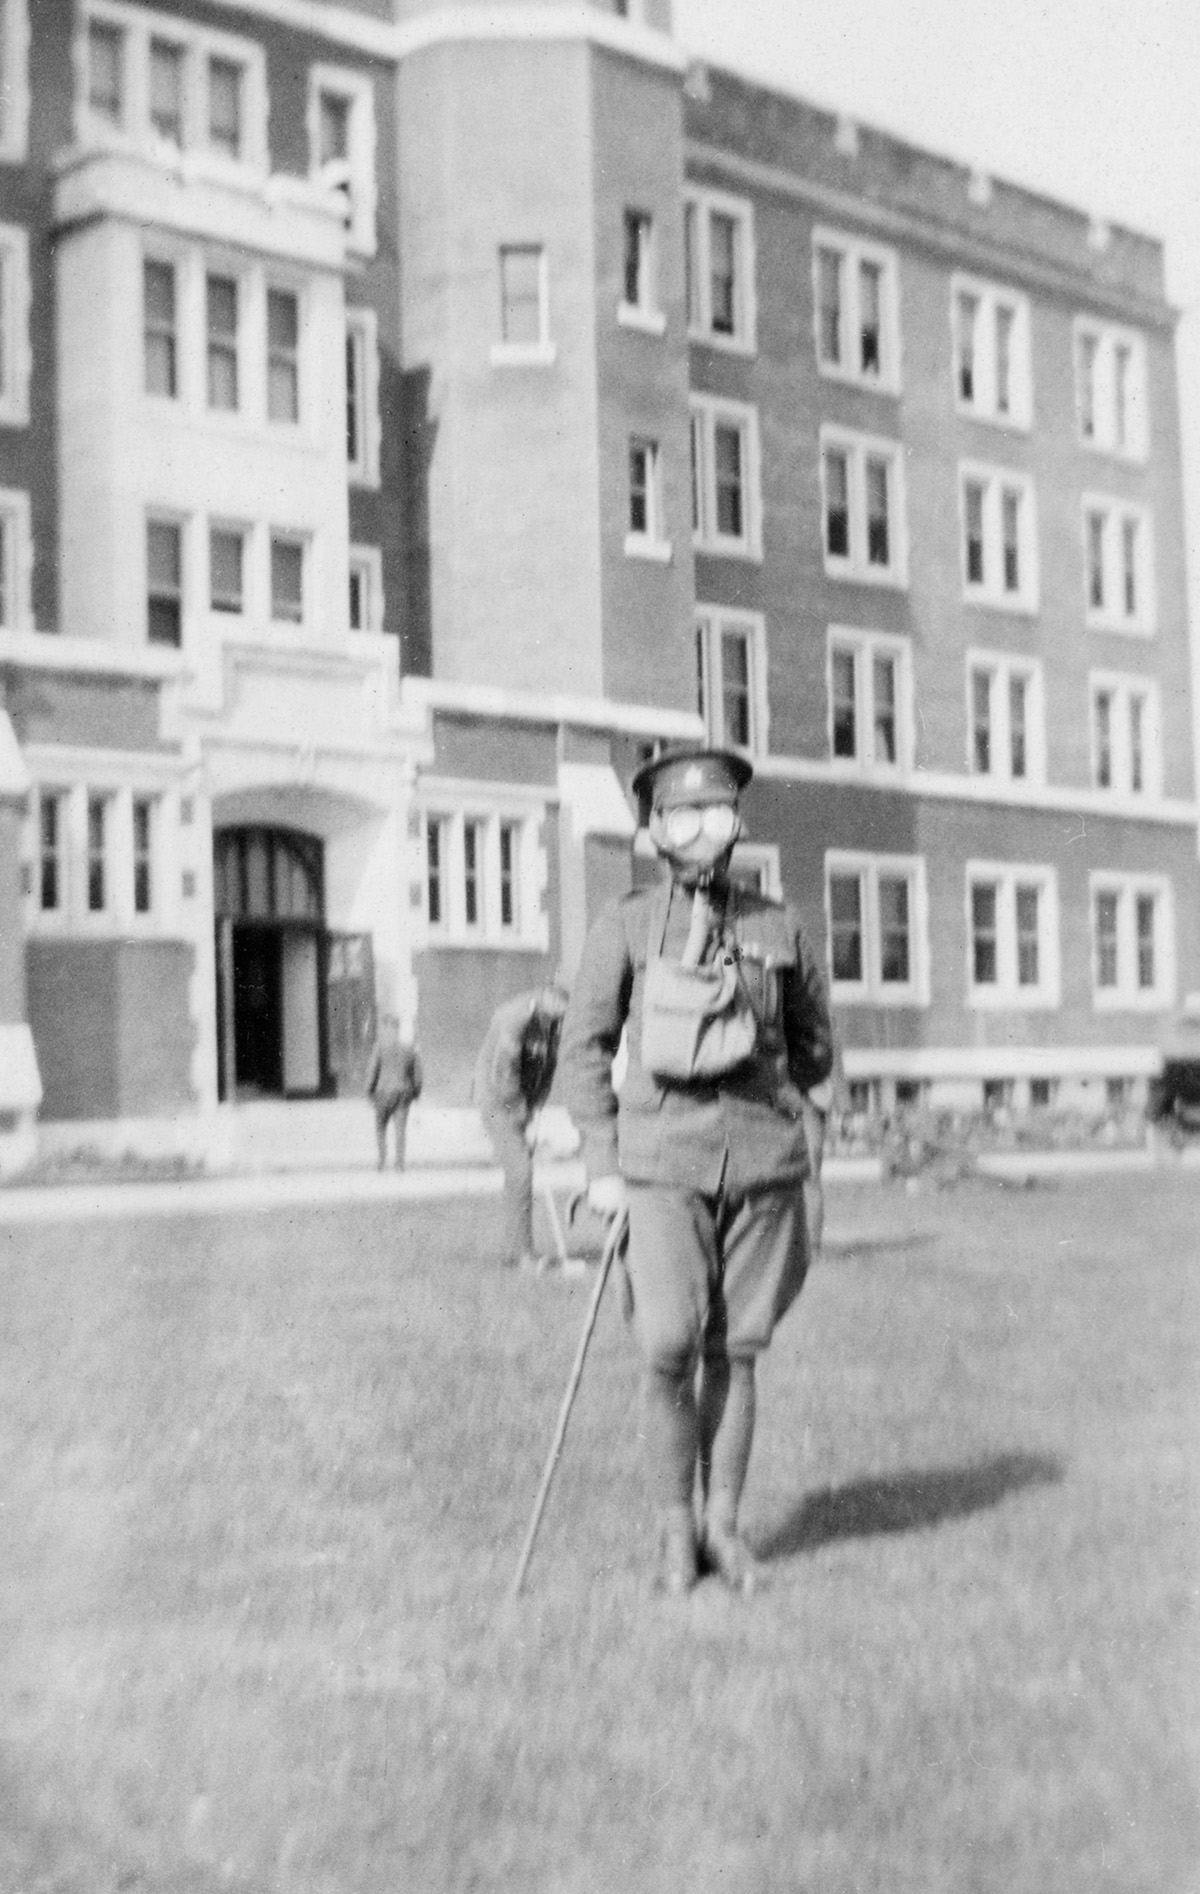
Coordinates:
[694,775]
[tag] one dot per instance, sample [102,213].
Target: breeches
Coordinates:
[712,1274]
[516,1161]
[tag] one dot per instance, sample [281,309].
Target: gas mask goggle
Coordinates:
[696,837]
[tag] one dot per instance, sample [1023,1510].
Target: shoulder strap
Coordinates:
[660,914]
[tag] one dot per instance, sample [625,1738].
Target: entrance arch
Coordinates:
[269,904]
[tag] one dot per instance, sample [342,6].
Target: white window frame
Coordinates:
[653,542]
[14,317]
[356,175]
[1111,616]
[853,252]
[199,45]
[291,536]
[699,207]
[539,354]
[1006,995]
[14,62]
[1122,687]
[991,592]
[454,811]
[1126,996]
[362,336]
[864,647]
[1108,339]
[1002,667]
[16,595]
[243,530]
[855,566]
[646,314]
[871,990]
[983,405]
[712,622]
[164,516]
[367,561]
[707,413]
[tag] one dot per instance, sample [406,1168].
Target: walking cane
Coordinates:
[614,1242]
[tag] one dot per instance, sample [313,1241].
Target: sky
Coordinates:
[1096,102]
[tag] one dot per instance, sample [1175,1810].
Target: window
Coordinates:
[719,264]
[366,589]
[1110,389]
[1132,942]
[481,887]
[167,59]
[51,862]
[14,80]
[143,854]
[639,286]
[287,579]
[1126,734]
[225,107]
[524,306]
[341,143]
[106,71]
[16,547]
[645,536]
[1012,935]
[159,335]
[1118,566]
[1004,717]
[362,397]
[999,538]
[857,311]
[164,582]
[870,700]
[877,919]
[97,853]
[283,356]
[992,375]
[731,689]
[726,504]
[15,358]
[226,561]
[221,305]
[167,87]
[862,484]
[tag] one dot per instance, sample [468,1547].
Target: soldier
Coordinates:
[727,1029]
[513,1076]
[394,1081]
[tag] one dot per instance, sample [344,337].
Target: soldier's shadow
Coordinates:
[904,1502]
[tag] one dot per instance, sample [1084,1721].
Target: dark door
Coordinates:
[258,1010]
[350,1010]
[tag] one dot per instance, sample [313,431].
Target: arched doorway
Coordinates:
[268,897]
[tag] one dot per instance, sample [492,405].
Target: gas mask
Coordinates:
[697,839]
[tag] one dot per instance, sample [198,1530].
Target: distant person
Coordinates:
[513,1076]
[394,1082]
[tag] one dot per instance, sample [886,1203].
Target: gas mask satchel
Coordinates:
[697,1021]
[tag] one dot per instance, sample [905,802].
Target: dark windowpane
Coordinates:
[1005,320]
[1095,548]
[1028,966]
[837,505]
[225,570]
[164,582]
[1086,389]
[222,316]
[829,318]
[142,844]
[639,487]
[1145,942]
[334,128]
[637,259]
[893,931]
[845,720]
[509,836]
[981,722]
[878,542]
[97,854]
[434,870]
[1106,940]
[105,80]
[845,926]
[983,933]
[722,243]
[1104,774]
[472,862]
[735,687]
[1010,509]
[966,315]
[727,450]
[283,368]
[166,90]
[883,672]
[158,321]
[225,106]
[287,580]
[353,397]
[1017,694]
[1129,564]
[870,283]
[973,509]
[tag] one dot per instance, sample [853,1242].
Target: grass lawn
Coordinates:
[265,1481]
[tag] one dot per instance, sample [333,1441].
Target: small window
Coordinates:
[222,317]
[637,271]
[1013,937]
[283,356]
[225,79]
[731,678]
[341,134]
[1110,389]
[164,577]
[51,870]
[97,853]
[1118,566]
[726,502]
[366,589]
[846,927]
[166,89]
[645,533]
[287,580]
[362,397]
[510,879]
[863,508]
[522,296]
[143,854]
[1133,950]
[1126,735]
[435,870]
[719,269]
[1102,713]
[1004,717]
[999,539]
[1018,727]
[875,913]
[226,560]
[992,373]
[1106,940]
[857,304]
[106,77]
[981,722]
[473,836]
[868,699]
[333,121]
[160,340]
[985,958]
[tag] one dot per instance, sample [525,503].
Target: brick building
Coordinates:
[412,412]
